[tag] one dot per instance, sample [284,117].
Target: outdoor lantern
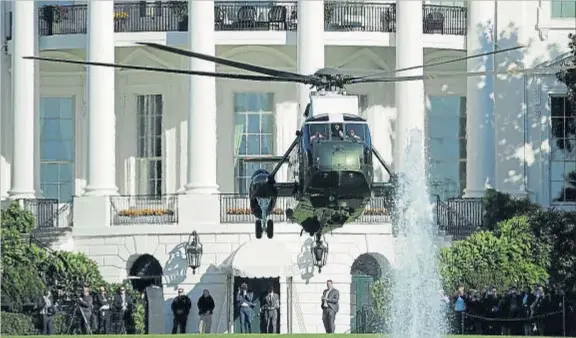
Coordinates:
[194,251]
[320,254]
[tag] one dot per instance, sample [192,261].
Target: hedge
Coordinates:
[20,324]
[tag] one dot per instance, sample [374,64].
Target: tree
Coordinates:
[28,268]
[510,255]
[381,292]
[557,229]
[21,283]
[72,270]
[499,207]
[554,228]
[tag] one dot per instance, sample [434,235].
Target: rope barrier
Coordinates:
[492,319]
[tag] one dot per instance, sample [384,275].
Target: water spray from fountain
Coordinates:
[416,310]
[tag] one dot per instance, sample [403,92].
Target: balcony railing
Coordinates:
[133,210]
[459,217]
[249,16]
[45,210]
[379,17]
[235,208]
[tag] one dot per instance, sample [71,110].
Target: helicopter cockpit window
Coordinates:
[337,131]
[356,132]
[318,132]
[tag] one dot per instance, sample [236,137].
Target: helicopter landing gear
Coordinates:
[259,229]
[270,228]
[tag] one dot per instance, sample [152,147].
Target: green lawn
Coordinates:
[311,335]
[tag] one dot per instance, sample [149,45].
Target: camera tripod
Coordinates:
[78,314]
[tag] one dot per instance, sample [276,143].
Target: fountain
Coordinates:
[416,310]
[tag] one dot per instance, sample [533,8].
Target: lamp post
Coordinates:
[320,254]
[194,251]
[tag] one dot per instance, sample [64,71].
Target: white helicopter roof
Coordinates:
[333,105]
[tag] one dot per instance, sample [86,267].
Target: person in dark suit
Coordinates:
[102,311]
[270,307]
[46,310]
[330,307]
[205,309]
[245,303]
[181,306]
[124,306]
[85,302]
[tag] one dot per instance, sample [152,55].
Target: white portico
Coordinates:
[201,157]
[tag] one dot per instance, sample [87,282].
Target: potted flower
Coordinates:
[180,10]
[375,212]
[145,214]
[119,18]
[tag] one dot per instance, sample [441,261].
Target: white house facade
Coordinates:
[127,164]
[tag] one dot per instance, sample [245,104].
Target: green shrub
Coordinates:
[21,260]
[17,324]
[510,255]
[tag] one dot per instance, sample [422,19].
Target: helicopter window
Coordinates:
[337,132]
[356,131]
[318,132]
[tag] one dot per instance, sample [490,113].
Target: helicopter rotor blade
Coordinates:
[511,72]
[434,64]
[225,62]
[171,70]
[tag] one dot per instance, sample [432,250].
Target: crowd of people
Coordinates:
[91,312]
[527,312]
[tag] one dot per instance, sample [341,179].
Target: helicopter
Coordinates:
[335,175]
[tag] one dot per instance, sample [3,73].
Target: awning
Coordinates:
[260,258]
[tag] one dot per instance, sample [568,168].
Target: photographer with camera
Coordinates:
[46,309]
[85,303]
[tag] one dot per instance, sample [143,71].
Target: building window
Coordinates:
[563,9]
[57,147]
[563,154]
[149,153]
[254,134]
[446,128]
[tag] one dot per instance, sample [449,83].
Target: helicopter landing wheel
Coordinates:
[270,228]
[259,229]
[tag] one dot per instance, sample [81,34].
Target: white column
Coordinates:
[480,144]
[410,99]
[310,45]
[23,156]
[202,131]
[5,112]
[101,180]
